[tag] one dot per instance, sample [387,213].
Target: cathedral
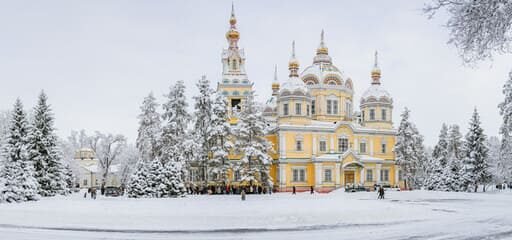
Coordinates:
[319,139]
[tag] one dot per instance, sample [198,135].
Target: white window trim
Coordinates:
[332,174]
[305,174]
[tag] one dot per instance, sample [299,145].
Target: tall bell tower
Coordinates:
[235,84]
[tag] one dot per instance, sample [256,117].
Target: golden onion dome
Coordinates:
[233,34]
[232,20]
[322,50]
[376,73]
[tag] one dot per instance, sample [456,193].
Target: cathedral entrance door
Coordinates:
[349,178]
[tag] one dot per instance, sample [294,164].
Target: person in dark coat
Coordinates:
[294,190]
[312,190]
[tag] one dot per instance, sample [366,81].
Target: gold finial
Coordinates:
[293,65]
[376,70]
[322,49]
[275,83]
[232,20]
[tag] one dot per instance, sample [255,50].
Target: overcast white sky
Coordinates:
[98,59]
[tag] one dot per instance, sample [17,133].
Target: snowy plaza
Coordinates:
[338,215]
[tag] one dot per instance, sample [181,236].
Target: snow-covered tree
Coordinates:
[497,167]
[505,108]
[202,117]
[175,118]
[108,149]
[129,158]
[17,175]
[478,29]
[252,144]
[475,168]
[455,156]
[436,178]
[155,178]
[149,129]
[173,184]
[218,136]
[410,152]
[137,186]
[44,151]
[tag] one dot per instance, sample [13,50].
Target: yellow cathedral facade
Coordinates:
[319,139]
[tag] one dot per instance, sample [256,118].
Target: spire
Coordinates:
[275,74]
[322,49]
[376,71]
[322,52]
[275,83]
[232,35]
[293,65]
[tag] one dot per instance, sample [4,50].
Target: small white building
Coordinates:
[90,172]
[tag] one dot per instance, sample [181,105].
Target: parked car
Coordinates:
[112,192]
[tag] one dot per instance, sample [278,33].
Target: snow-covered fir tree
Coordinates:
[17,175]
[173,184]
[252,144]
[155,179]
[149,129]
[44,151]
[218,137]
[505,108]
[497,167]
[138,185]
[475,168]
[202,117]
[436,178]
[175,118]
[410,152]
[455,155]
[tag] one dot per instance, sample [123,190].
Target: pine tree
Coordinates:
[410,152]
[19,183]
[43,150]
[475,166]
[174,135]
[251,141]
[203,112]
[455,155]
[149,129]
[173,185]
[218,137]
[155,179]
[506,129]
[436,177]
[138,186]
[496,165]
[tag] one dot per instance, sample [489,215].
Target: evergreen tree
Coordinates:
[506,129]
[174,135]
[19,183]
[155,179]
[138,186]
[149,129]
[436,177]
[43,150]
[251,141]
[496,165]
[475,167]
[410,152]
[455,155]
[203,113]
[173,185]
[218,137]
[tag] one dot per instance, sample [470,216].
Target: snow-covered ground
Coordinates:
[338,215]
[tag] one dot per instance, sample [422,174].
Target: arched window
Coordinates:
[236,81]
[236,93]
[225,93]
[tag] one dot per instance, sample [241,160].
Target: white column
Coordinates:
[337,170]
[361,176]
[282,175]
[356,146]
[318,174]
[377,170]
[282,145]
[314,144]
[332,144]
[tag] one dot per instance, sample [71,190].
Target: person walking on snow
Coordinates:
[312,190]
[294,190]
